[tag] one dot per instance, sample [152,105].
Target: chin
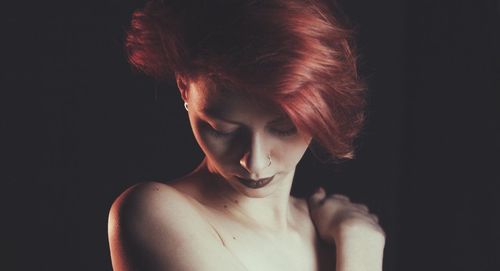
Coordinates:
[255,193]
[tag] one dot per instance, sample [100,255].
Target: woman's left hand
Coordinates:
[337,218]
[355,232]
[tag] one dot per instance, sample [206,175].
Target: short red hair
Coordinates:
[294,53]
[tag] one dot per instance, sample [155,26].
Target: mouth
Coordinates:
[255,184]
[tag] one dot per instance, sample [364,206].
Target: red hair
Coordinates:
[293,53]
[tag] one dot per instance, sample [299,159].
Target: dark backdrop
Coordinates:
[78,127]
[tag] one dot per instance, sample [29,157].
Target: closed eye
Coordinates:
[216,133]
[226,134]
[285,133]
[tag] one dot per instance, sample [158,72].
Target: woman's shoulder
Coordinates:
[148,190]
[146,194]
[154,218]
[152,200]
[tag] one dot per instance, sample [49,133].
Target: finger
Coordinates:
[361,207]
[361,214]
[339,196]
[317,197]
[374,217]
[378,228]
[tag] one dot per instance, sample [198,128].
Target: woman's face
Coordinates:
[252,145]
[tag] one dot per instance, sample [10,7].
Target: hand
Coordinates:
[339,221]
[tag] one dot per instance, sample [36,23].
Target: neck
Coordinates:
[272,213]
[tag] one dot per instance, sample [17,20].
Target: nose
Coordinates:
[256,159]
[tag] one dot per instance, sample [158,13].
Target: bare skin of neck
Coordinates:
[274,213]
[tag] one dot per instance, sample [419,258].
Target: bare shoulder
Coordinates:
[301,204]
[153,226]
[147,200]
[302,207]
[324,251]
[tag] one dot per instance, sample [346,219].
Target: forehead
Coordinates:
[236,104]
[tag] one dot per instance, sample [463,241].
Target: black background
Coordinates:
[79,126]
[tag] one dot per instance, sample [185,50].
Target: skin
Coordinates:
[244,228]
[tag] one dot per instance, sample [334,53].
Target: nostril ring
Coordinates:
[269,157]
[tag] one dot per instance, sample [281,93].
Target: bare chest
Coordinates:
[297,250]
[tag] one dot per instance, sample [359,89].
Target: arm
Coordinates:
[356,234]
[359,249]
[154,227]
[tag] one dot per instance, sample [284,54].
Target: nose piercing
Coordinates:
[243,163]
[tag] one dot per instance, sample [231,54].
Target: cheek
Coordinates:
[292,152]
[216,149]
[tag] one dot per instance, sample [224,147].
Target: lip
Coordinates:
[255,184]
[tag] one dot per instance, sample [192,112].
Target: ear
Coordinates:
[183,85]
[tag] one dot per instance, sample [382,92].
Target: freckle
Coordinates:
[225,206]
[234,238]
[236,201]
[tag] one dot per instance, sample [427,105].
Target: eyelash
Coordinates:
[286,133]
[218,134]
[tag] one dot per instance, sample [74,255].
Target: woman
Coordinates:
[261,82]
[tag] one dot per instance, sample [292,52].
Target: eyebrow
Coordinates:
[215,115]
